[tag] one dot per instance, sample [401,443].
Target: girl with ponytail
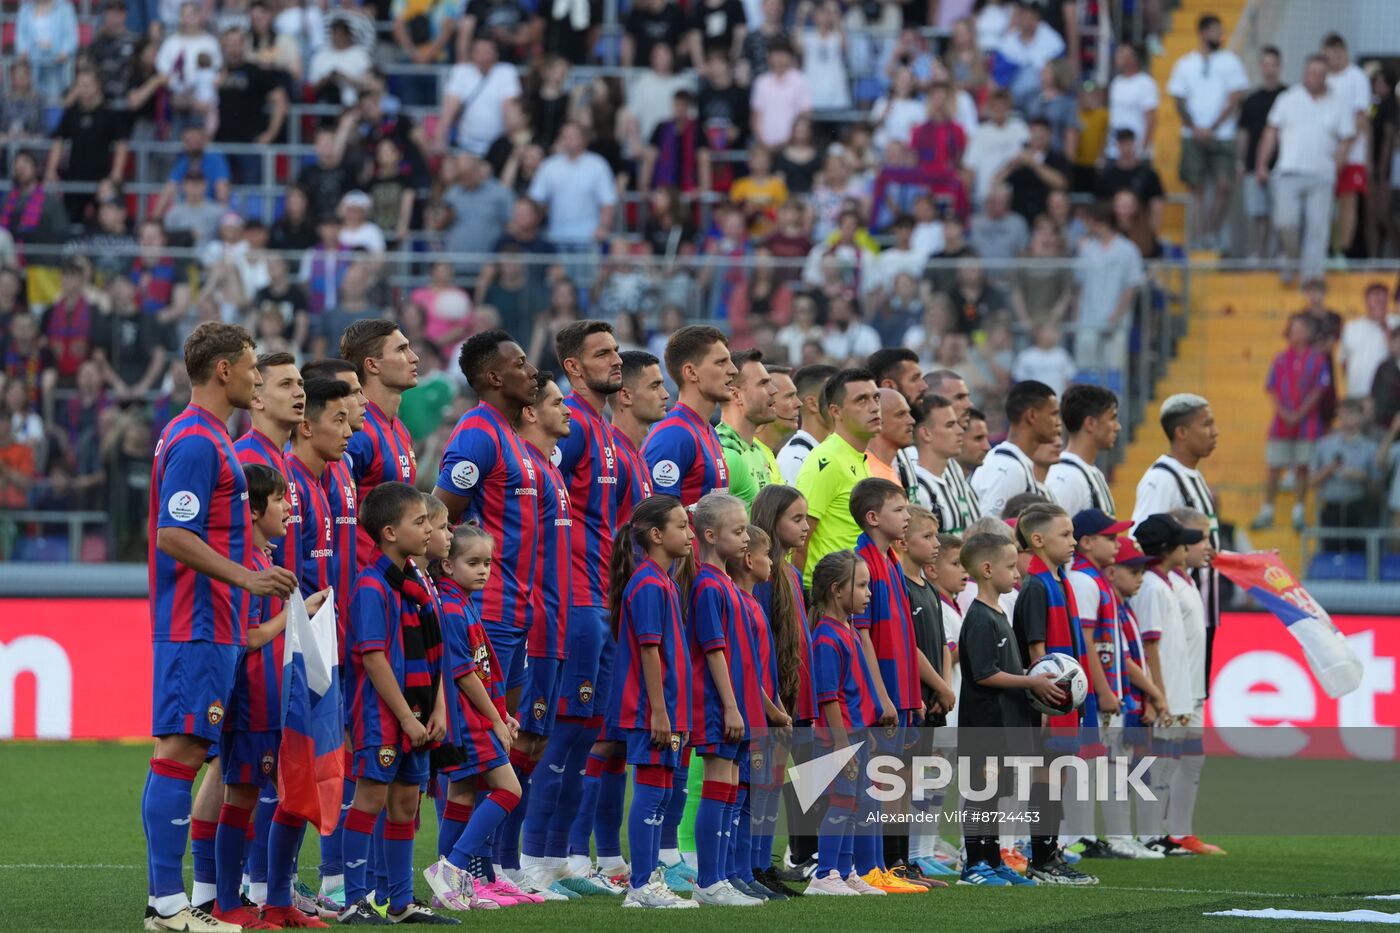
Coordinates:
[650,700]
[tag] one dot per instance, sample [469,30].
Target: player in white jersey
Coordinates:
[1090,415]
[938,484]
[815,423]
[1033,411]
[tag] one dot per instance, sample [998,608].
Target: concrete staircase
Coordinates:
[1235,329]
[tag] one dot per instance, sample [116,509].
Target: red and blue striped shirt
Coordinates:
[257,447]
[717,623]
[650,615]
[552,594]
[806,706]
[588,461]
[839,673]
[467,652]
[376,620]
[256,705]
[761,636]
[380,453]
[891,625]
[316,530]
[485,463]
[339,485]
[197,484]
[634,484]
[684,458]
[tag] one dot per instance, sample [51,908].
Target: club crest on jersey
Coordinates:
[666,473]
[539,709]
[756,761]
[387,754]
[891,731]
[675,742]
[585,692]
[557,457]
[267,763]
[215,712]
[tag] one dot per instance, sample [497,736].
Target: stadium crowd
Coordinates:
[785,170]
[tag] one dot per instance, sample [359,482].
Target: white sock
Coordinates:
[1152,813]
[611,863]
[528,862]
[1006,838]
[669,856]
[1076,813]
[150,900]
[512,874]
[690,859]
[330,882]
[579,865]
[1117,818]
[171,904]
[257,892]
[1186,782]
[203,892]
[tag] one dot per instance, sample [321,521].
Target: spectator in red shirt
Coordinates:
[16,469]
[939,145]
[1298,379]
[67,324]
[677,154]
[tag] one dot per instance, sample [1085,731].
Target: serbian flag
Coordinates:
[311,772]
[1263,575]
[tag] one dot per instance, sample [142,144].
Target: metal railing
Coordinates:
[74,522]
[1377,542]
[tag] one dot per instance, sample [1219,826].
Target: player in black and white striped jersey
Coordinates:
[1090,415]
[1033,411]
[939,486]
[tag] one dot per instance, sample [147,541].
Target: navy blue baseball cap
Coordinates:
[1097,522]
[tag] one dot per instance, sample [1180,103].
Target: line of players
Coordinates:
[552,485]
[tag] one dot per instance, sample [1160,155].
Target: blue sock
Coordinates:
[507,848]
[398,858]
[582,830]
[146,831]
[848,847]
[709,833]
[455,817]
[380,864]
[166,813]
[282,837]
[489,814]
[868,846]
[561,822]
[830,840]
[359,840]
[440,798]
[547,784]
[607,820]
[229,842]
[741,863]
[262,824]
[202,833]
[649,795]
[333,846]
[675,808]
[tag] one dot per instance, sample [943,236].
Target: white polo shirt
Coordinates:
[1193,628]
[1076,485]
[482,121]
[1158,613]
[1353,89]
[1309,129]
[1206,82]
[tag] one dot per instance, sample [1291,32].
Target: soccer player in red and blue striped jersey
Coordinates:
[200,534]
[725,697]
[319,441]
[639,404]
[649,702]
[277,410]
[541,426]
[845,695]
[397,709]
[682,453]
[488,478]
[387,367]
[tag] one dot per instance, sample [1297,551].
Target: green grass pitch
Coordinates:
[72,858]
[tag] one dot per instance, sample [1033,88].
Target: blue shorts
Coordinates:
[847,782]
[889,740]
[764,765]
[725,751]
[193,681]
[388,765]
[583,689]
[480,754]
[641,750]
[250,757]
[509,644]
[539,703]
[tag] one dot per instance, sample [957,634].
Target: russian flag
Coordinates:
[1263,575]
[311,770]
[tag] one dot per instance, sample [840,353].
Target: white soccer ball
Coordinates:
[1069,677]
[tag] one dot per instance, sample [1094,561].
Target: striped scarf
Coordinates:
[421,633]
[30,213]
[1063,635]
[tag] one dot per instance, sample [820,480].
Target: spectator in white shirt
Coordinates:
[186,58]
[1109,270]
[1132,101]
[1029,46]
[475,99]
[1350,86]
[847,338]
[1312,132]
[1365,341]
[997,141]
[1207,85]
[651,95]
[1046,360]
[357,231]
[576,187]
[340,71]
